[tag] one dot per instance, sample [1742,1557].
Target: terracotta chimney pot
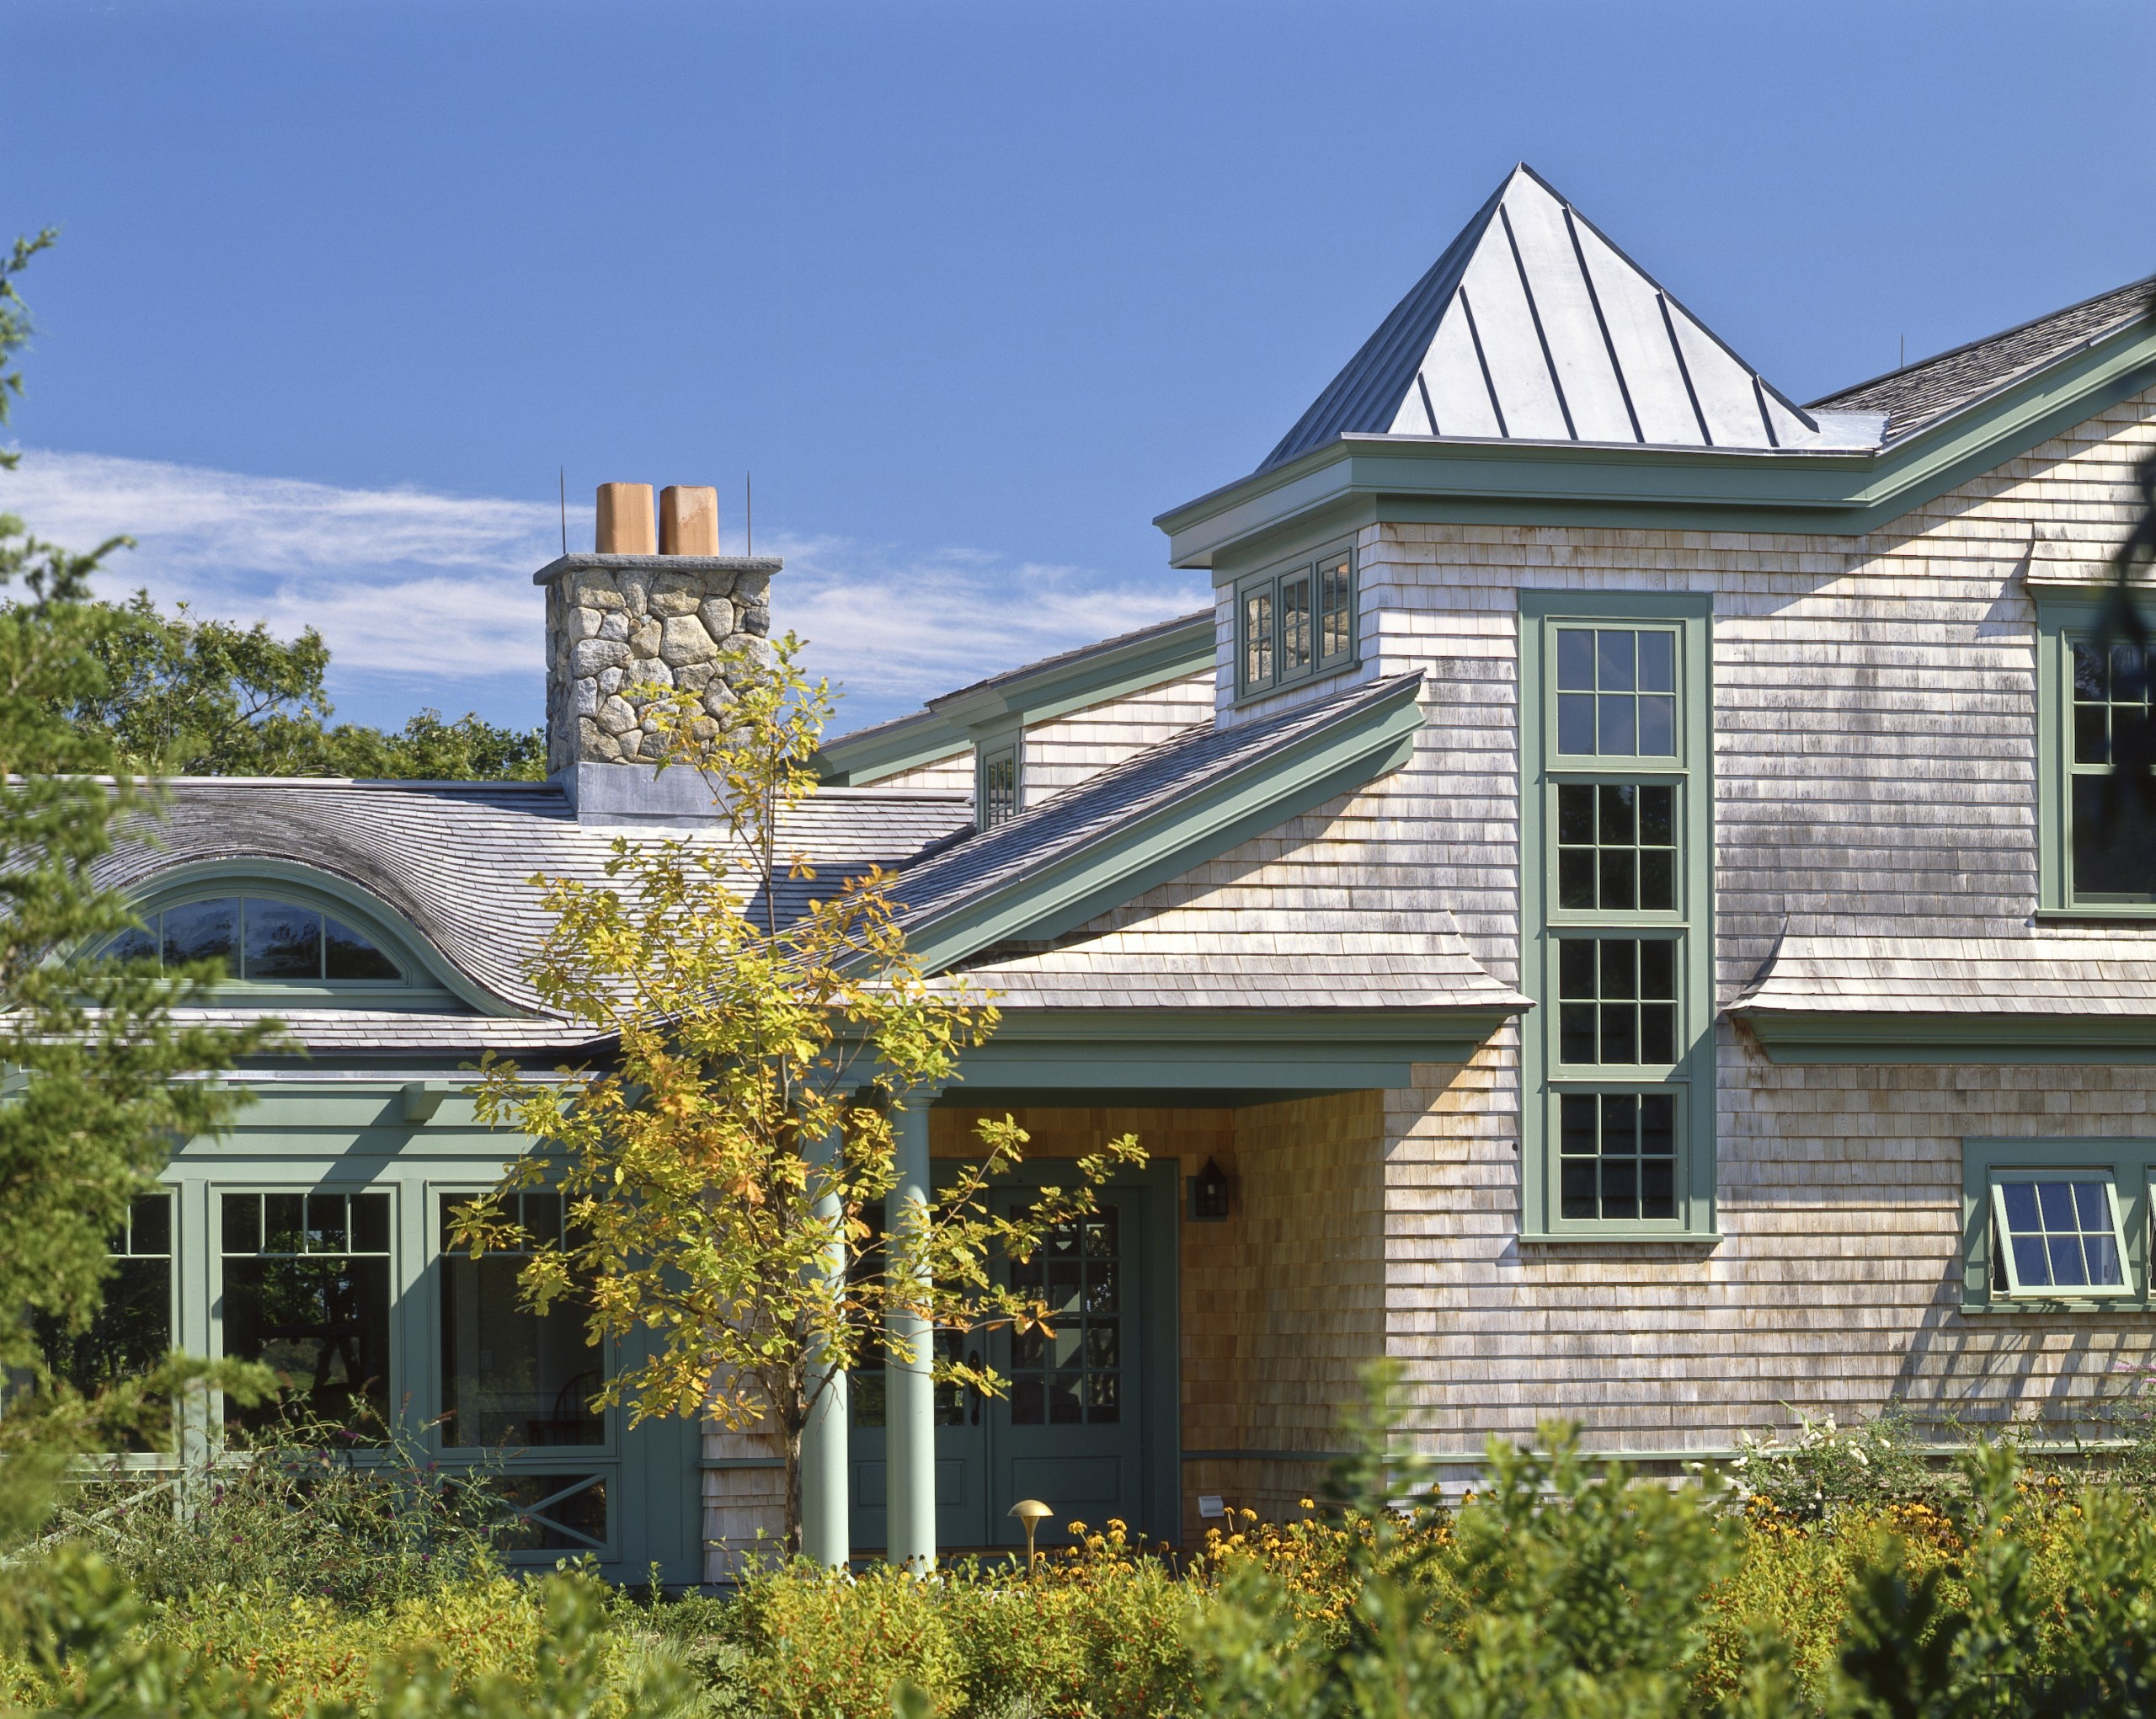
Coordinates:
[624,522]
[688,521]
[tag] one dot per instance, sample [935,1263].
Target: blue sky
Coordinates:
[976,290]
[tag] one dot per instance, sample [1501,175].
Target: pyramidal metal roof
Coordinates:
[1533,327]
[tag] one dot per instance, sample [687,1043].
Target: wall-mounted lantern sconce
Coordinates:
[1209,1194]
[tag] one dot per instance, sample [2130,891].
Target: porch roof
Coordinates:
[2014,994]
[1329,955]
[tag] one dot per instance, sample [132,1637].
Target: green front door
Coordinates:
[1070,1428]
[1085,1421]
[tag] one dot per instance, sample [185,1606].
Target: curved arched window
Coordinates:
[261,940]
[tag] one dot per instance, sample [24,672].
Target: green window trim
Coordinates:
[998,776]
[1297,623]
[2062,618]
[1990,1284]
[1617,852]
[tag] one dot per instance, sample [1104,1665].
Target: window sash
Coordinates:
[1614,989]
[1563,860]
[2005,1252]
[1000,790]
[1612,698]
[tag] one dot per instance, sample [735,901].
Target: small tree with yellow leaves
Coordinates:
[721,1170]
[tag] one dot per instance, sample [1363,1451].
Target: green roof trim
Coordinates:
[1259,1054]
[1359,480]
[1036,693]
[1083,678]
[861,759]
[1882,1036]
[1327,760]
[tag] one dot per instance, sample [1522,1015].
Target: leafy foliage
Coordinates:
[299,1509]
[199,696]
[724,1168]
[1823,1467]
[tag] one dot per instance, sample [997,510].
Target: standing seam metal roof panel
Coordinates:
[1533,327]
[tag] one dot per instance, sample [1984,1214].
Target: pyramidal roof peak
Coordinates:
[1533,327]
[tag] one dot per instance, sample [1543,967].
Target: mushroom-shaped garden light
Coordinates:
[1033,1513]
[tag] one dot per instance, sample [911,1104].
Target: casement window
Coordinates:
[2057,1234]
[2052,1224]
[1618,1055]
[2097,834]
[1294,623]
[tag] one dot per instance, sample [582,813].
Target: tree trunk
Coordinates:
[790,1439]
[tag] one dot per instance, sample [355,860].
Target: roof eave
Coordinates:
[1084,678]
[854,761]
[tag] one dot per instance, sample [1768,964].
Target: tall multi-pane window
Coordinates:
[132,1331]
[2097,739]
[509,1376]
[2113,855]
[1296,622]
[1618,1105]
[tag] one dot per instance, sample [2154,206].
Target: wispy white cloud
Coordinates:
[427,598]
[415,587]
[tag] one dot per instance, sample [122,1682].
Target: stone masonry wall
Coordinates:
[617,622]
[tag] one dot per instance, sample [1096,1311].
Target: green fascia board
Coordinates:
[1271,1050]
[1876,1035]
[1094,677]
[955,721]
[1359,479]
[858,760]
[1129,859]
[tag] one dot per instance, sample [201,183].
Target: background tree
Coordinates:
[738,1147]
[97,1055]
[197,696]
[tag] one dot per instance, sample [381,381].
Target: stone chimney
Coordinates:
[624,618]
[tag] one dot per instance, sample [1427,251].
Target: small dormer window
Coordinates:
[1295,623]
[996,791]
[261,940]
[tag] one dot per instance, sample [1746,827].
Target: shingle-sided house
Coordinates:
[1612,907]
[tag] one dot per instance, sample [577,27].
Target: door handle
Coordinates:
[972,1392]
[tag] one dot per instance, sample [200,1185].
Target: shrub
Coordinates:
[1823,1467]
[306,1511]
[1096,1629]
[817,1645]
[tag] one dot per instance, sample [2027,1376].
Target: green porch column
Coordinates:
[826,1510]
[910,1398]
